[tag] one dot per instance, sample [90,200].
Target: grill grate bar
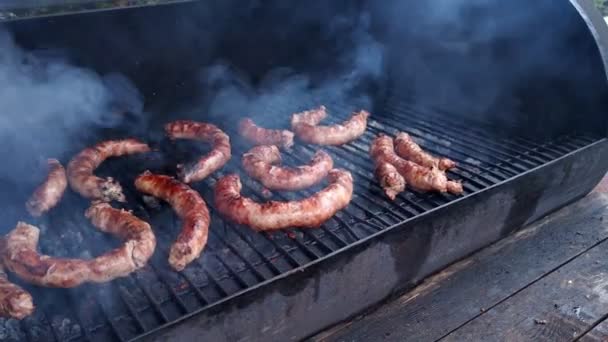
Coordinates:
[488,153]
[470,134]
[516,144]
[465,173]
[257,274]
[267,261]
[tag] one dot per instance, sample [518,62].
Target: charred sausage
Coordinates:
[189,206]
[309,212]
[81,167]
[49,193]
[264,136]
[258,163]
[209,163]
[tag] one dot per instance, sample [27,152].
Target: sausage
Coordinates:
[407,148]
[391,181]
[189,206]
[309,212]
[15,302]
[127,227]
[263,136]
[339,134]
[49,193]
[22,258]
[258,164]
[207,164]
[81,167]
[311,117]
[419,177]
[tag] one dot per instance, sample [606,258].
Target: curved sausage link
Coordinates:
[258,164]
[309,212]
[391,181]
[407,148]
[339,134]
[264,136]
[419,177]
[81,167]
[310,117]
[15,302]
[125,226]
[207,164]
[189,206]
[22,258]
[49,193]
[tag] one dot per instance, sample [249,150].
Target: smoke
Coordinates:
[47,104]
[344,79]
[473,57]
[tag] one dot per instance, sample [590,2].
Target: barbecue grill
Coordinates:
[515,97]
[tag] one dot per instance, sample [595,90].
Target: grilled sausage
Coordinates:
[309,212]
[189,206]
[407,148]
[339,134]
[15,302]
[419,177]
[126,226]
[206,165]
[258,163]
[391,181]
[264,136]
[49,193]
[22,258]
[81,167]
[311,117]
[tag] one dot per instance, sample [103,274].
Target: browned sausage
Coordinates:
[311,117]
[209,163]
[340,134]
[258,163]
[264,136]
[22,258]
[407,148]
[126,226]
[309,212]
[189,206]
[419,177]
[15,302]
[49,193]
[81,167]
[391,181]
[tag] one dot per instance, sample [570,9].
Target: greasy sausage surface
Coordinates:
[339,134]
[49,193]
[419,177]
[206,132]
[309,212]
[391,181]
[81,167]
[264,136]
[22,258]
[258,163]
[15,302]
[407,148]
[189,206]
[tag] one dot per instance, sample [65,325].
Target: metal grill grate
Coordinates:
[237,258]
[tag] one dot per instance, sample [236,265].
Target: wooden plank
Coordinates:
[560,307]
[598,334]
[466,289]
